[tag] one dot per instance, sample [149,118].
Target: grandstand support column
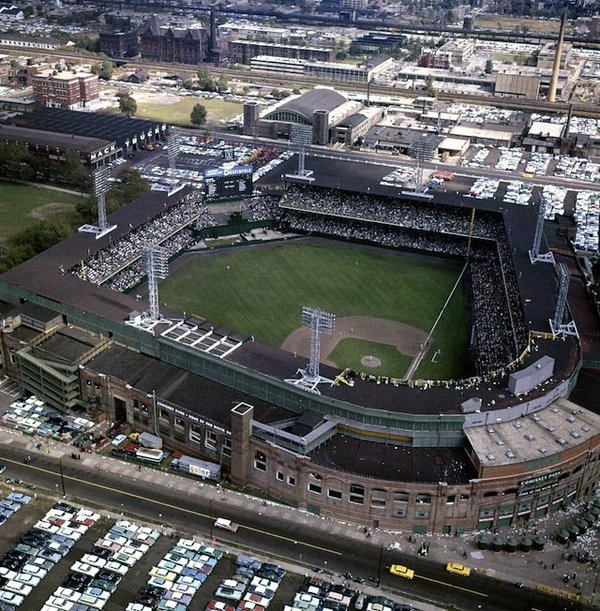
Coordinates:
[534,254]
[318,322]
[557,325]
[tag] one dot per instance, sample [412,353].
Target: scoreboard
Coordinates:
[227,184]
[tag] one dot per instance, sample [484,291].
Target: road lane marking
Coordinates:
[175,507]
[451,585]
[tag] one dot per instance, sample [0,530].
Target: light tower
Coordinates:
[301,135]
[318,322]
[421,151]
[173,149]
[534,254]
[157,268]
[101,185]
[557,324]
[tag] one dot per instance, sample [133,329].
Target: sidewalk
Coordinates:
[538,569]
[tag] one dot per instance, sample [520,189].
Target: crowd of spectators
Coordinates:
[498,321]
[120,254]
[263,207]
[440,219]
[131,275]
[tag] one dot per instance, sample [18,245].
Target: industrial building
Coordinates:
[242,51]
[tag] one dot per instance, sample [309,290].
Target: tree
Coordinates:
[198,115]
[127,105]
[429,86]
[104,70]
[205,81]
[222,85]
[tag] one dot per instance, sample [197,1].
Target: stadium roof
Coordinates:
[175,385]
[395,462]
[554,429]
[320,98]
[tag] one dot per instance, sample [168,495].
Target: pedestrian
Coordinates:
[553,565]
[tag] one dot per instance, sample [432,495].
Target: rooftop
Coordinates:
[395,462]
[193,393]
[554,429]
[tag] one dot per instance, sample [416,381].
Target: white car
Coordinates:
[124,559]
[86,569]
[59,603]
[132,552]
[7,573]
[116,567]
[94,560]
[28,578]
[157,571]
[86,514]
[34,569]
[67,594]
[16,600]
[17,587]
[189,544]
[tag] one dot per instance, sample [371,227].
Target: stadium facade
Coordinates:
[502,446]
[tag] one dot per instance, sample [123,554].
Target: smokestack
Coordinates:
[556,64]
[568,124]
[214,45]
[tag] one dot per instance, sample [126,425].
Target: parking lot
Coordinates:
[56,555]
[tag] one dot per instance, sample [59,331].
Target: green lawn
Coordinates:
[261,291]
[179,113]
[22,205]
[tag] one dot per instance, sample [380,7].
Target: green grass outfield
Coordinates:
[21,205]
[260,291]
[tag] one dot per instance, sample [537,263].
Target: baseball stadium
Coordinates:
[393,360]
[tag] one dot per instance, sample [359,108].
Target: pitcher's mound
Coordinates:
[370,361]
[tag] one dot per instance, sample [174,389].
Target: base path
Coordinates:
[405,338]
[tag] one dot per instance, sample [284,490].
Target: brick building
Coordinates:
[65,89]
[119,44]
[163,43]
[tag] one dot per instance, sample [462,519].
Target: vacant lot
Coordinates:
[21,205]
[502,22]
[176,110]
[261,291]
